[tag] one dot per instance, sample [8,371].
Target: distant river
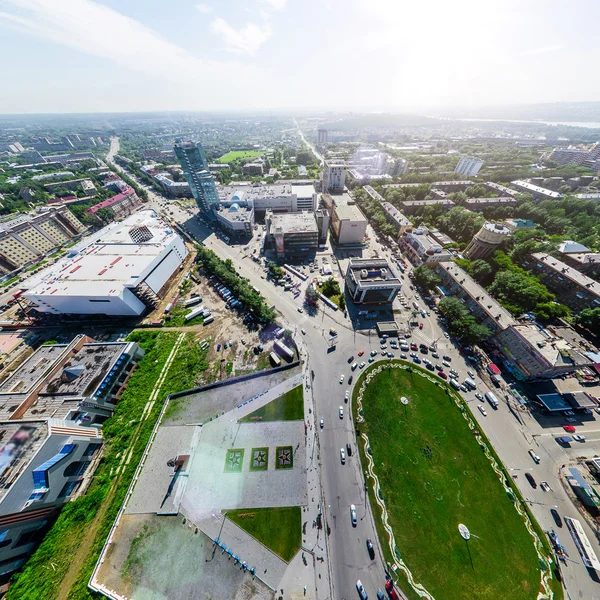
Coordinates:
[587,124]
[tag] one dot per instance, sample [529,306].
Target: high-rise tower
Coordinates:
[195,168]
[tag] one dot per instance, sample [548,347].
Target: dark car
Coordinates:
[430,366]
[531,480]
[370,548]
[556,517]
[349,449]
[447,358]
[380,595]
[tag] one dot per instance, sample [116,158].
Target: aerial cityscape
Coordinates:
[264,341]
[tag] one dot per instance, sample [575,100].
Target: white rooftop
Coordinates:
[108,260]
[571,247]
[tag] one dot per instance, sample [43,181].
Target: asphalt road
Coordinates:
[512,433]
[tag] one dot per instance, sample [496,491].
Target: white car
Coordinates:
[322,422]
[579,438]
[362,364]
[303,331]
[445,363]
[536,459]
[343,456]
[353,515]
[342,378]
[300,309]
[446,334]
[482,410]
[471,374]
[347,395]
[341,412]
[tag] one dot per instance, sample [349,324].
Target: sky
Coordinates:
[64,56]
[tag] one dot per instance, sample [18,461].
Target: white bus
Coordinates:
[588,556]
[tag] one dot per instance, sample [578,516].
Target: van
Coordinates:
[455,384]
[470,384]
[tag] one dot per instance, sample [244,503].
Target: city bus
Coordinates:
[491,398]
[588,556]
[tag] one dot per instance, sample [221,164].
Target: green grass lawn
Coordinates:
[433,476]
[237,154]
[289,407]
[279,529]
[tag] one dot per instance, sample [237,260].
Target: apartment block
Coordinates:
[122,204]
[572,288]
[334,176]
[468,166]
[394,217]
[421,247]
[28,237]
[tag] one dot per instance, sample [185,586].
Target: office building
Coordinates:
[27,238]
[195,168]
[396,218]
[412,207]
[348,224]
[372,281]
[572,288]
[292,235]
[487,311]
[532,352]
[334,176]
[121,270]
[486,241]
[420,247]
[173,189]
[538,193]
[236,220]
[468,166]
[122,204]
[321,136]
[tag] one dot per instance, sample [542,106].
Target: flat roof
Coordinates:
[294,222]
[395,214]
[556,350]
[583,281]
[567,401]
[109,259]
[500,188]
[498,200]
[346,208]
[586,258]
[373,266]
[303,191]
[444,201]
[536,189]
[228,193]
[489,305]
[373,193]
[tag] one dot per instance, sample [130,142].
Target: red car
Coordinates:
[413,347]
[361,352]
[442,375]
[569,428]
[420,325]
[389,588]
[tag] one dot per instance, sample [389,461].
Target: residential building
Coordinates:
[348,224]
[572,288]
[412,207]
[568,156]
[195,168]
[396,218]
[372,281]
[468,166]
[487,311]
[334,176]
[321,136]
[420,247]
[87,185]
[538,193]
[236,220]
[531,352]
[26,238]
[446,186]
[253,168]
[122,204]
[487,240]
[373,194]
[440,237]
[586,262]
[56,175]
[121,270]
[292,235]
[501,190]
[483,203]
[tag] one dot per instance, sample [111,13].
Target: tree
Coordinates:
[589,318]
[311,296]
[481,271]
[519,291]
[275,271]
[426,277]
[330,287]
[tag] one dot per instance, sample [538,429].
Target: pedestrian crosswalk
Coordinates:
[420,338]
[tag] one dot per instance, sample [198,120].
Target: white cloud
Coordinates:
[246,40]
[275,4]
[98,30]
[204,8]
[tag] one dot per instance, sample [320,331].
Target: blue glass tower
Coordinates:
[195,168]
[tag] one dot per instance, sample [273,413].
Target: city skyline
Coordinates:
[86,56]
